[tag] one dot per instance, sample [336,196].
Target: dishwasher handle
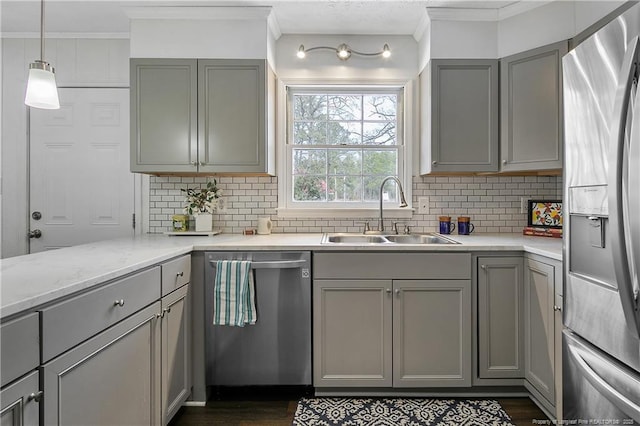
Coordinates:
[274,264]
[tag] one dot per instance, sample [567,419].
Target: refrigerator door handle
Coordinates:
[584,358]
[616,203]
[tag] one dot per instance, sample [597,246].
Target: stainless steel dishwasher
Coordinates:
[277,349]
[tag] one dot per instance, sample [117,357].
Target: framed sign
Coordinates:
[545,213]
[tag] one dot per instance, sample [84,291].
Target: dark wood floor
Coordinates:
[280,413]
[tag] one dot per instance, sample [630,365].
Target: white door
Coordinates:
[81,189]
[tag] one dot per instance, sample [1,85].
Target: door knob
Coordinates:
[36,233]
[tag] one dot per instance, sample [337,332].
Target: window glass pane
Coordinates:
[380,163]
[345,188]
[372,189]
[344,133]
[309,188]
[310,107]
[380,107]
[379,133]
[345,162]
[309,161]
[310,133]
[345,107]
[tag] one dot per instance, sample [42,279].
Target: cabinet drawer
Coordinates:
[175,274]
[22,354]
[68,323]
[443,266]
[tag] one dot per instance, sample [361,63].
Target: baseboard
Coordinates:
[194,403]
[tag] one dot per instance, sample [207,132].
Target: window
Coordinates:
[341,144]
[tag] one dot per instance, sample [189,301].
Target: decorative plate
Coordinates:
[545,213]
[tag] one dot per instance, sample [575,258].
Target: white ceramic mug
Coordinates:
[264,225]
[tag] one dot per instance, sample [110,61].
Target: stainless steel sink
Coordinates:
[354,239]
[418,239]
[385,239]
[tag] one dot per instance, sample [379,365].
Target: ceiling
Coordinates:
[401,17]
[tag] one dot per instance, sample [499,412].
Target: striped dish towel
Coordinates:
[234,294]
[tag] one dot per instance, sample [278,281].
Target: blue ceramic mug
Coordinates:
[465,227]
[446,227]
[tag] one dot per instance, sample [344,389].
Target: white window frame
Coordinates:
[287,208]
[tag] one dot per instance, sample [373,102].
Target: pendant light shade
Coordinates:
[42,91]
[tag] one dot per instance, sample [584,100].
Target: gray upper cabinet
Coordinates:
[459,102]
[531,109]
[164,120]
[202,116]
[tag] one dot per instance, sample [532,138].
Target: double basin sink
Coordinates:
[385,239]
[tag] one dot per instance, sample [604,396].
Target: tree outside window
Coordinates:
[343,145]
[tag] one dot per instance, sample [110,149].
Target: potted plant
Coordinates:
[201,203]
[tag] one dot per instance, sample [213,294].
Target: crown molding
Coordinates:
[50,36]
[198,12]
[273,26]
[483,14]
[422,26]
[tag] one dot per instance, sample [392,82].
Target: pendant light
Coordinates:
[42,91]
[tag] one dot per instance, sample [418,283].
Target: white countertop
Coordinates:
[33,280]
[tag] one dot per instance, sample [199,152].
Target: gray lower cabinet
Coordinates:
[459,109]
[531,109]
[431,333]
[352,333]
[19,402]
[176,351]
[387,320]
[111,379]
[202,116]
[501,318]
[540,280]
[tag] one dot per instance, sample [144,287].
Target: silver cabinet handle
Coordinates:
[273,264]
[434,162]
[388,291]
[483,267]
[118,302]
[194,163]
[557,308]
[504,161]
[202,163]
[180,274]
[397,292]
[35,396]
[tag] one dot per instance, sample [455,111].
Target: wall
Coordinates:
[78,63]
[493,202]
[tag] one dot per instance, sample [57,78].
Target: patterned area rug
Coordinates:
[399,412]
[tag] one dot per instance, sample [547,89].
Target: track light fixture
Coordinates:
[343,51]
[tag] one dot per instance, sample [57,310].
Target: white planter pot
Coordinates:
[204,222]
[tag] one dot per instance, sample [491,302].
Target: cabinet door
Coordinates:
[500,317]
[176,353]
[352,333]
[164,102]
[111,379]
[539,327]
[18,407]
[231,115]
[461,131]
[432,333]
[531,109]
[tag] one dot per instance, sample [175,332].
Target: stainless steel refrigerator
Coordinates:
[601,339]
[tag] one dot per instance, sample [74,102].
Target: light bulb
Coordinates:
[386,52]
[301,53]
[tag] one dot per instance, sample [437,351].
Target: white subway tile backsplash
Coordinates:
[493,202]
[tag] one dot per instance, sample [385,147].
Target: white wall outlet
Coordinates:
[423,205]
[524,204]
